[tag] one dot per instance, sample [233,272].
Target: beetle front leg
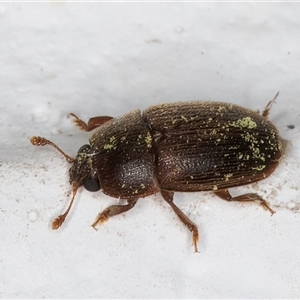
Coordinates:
[168,197]
[92,122]
[225,195]
[113,211]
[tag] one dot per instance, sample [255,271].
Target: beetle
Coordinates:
[174,147]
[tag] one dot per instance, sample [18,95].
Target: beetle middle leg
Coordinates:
[225,195]
[92,122]
[168,197]
[113,210]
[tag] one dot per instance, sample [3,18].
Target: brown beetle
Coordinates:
[175,147]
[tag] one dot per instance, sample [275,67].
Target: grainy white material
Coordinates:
[110,58]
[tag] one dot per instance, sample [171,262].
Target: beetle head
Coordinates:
[82,172]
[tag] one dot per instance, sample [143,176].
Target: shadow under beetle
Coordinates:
[175,147]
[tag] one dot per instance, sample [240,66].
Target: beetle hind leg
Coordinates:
[267,109]
[168,197]
[225,195]
[113,210]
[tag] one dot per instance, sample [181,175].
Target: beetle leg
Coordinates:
[225,195]
[92,122]
[168,197]
[267,109]
[113,211]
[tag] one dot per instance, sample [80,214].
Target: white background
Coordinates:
[107,59]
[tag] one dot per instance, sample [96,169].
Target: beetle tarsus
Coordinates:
[78,122]
[195,238]
[102,217]
[113,211]
[264,204]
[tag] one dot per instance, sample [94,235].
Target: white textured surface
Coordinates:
[107,59]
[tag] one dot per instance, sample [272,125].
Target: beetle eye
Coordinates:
[91,184]
[83,148]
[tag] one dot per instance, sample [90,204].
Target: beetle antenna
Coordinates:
[40,141]
[60,219]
